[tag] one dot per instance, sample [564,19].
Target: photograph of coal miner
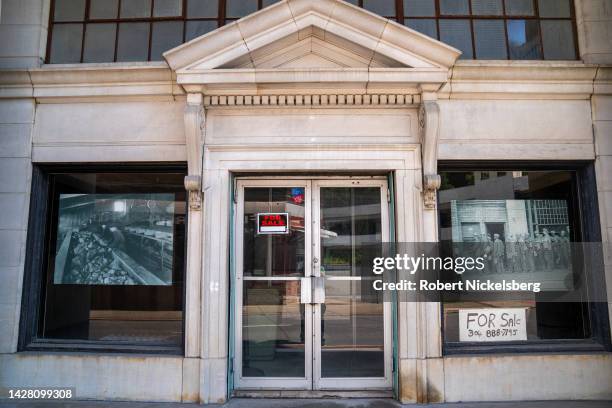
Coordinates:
[110,239]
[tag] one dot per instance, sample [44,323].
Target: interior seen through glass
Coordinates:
[274,322]
[116,257]
[523,222]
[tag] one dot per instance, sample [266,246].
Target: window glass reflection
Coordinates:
[197,28]
[457,33]
[490,39]
[554,8]
[69,10]
[487,7]
[522,224]
[352,330]
[381,7]
[558,40]
[202,8]
[419,8]
[519,7]
[99,42]
[472,26]
[103,9]
[524,39]
[166,35]
[132,42]
[116,259]
[424,26]
[66,43]
[167,8]
[273,330]
[454,7]
[350,229]
[135,8]
[240,8]
[274,254]
[266,3]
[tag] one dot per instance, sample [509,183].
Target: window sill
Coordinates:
[101,347]
[97,65]
[539,347]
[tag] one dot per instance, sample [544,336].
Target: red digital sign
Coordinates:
[273,223]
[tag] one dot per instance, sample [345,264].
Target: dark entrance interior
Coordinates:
[496,228]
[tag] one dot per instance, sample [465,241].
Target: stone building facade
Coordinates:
[299,97]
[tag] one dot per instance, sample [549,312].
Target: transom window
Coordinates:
[141,30]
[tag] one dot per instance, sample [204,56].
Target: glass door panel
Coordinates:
[352,330]
[274,329]
[307,316]
[353,341]
[274,254]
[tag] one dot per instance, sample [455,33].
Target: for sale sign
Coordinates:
[492,324]
[272,223]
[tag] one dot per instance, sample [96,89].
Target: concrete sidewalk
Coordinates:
[304,403]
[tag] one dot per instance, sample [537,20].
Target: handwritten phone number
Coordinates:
[493,333]
[43,393]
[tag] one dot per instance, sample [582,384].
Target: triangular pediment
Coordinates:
[303,36]
[310,48]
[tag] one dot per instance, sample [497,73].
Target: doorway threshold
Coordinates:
[312,394]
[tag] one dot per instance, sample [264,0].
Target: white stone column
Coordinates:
[419,325]
[23,33]
[194,122]
[593,21]
[215,286]
[23,29]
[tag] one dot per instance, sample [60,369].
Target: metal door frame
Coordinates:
[312,379]
[345,383]
[289,383]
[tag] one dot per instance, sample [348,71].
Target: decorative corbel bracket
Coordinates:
[195,120]
[429,123]
[193,184]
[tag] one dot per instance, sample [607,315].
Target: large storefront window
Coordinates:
[525,224]
[141,30]
[113,264]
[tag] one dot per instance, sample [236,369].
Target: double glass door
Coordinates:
[307,316]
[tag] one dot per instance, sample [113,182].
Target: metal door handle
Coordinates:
[315,261]
[318,289]
[312,290]
[305,290]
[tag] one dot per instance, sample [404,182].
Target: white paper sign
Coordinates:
[492,324]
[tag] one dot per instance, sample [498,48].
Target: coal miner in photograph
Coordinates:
[114,239]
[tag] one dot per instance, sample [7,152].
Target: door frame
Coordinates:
[279,383]
[346,383]
[312,364]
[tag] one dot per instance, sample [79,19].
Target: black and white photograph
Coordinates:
[520,238]
[115,239]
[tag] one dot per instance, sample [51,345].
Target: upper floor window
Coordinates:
[141,30]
